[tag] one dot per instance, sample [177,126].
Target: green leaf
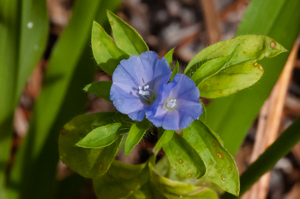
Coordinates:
[175,71]
[121,181]
[229,66]
[183,158]
[101,89]
[277,19]
[163,140]
[221,168]
[164,188]
[135,135]
[105,50]
[89,163]
[163,168]
[100,137]
[169,56]
[125,36]
[280,148]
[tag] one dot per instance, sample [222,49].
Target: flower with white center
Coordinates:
[177,104]
[136,82]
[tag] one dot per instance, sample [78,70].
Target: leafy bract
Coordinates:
[183,158]
[125,36]
[229,66]
[135,135]
[169,189]
[175,70]
[105,50]
[169,56]
[89,163]
[121,181]
[101,89]
[221,168]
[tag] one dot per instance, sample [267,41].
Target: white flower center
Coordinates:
[171,103]
[146,93]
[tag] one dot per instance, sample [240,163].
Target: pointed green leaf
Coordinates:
[183,158]
[221,168]
[169,56]
[101,89]
[163,140]
[125,36]
[230,80]
[164,188]
[175,71]
[229,66]
[121,181]
[100,137]
[105,50]
[89,163]
[135,135]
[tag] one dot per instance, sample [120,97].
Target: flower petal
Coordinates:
[184,84]
[187,105]
[127,103]
[144,73]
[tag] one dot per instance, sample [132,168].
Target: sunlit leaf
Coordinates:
[230,66]
[105,50]
[135,135]
[221,168]
[183,158]
[125,36]
[100,88]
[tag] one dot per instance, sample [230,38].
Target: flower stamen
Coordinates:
[146,93]
[170,104]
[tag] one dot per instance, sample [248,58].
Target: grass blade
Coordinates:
[268,159]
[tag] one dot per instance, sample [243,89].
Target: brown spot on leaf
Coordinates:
[63,131]
[273,44]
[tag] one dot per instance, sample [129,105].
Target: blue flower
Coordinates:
[177,105]
[136,82]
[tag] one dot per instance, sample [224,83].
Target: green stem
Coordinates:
[268,159]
